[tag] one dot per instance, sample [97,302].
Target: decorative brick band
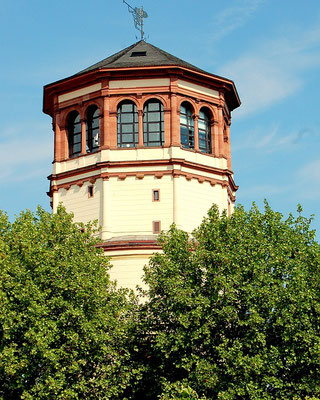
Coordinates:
[150,163]
[118,245]
[140,175]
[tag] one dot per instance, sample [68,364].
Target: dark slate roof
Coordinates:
[140,54]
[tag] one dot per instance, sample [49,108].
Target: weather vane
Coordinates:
[138,15]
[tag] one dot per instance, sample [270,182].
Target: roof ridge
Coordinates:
[170,56]
[159,58]
[114,57]
[161,51]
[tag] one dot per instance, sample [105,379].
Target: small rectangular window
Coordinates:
[156,227]
[138,54]
[90,191]
[156,195]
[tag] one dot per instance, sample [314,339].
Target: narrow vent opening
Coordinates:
[90,191]
[156,195]
[138,54]
[156,227]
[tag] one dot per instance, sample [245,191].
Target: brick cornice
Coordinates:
[121,245]
[139,163]
[196,76]
[140,174]
[176,173]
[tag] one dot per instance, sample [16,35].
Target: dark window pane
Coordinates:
[92,129]
[184,130]
[95,123]
[153,117]
[154,127]
[126,138]
[154,137]
[126,118]
[183,109]
[154,106]
[202,124]
[127,128]
[183,119]
[184,139]
[126,108]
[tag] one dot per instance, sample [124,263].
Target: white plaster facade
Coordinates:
[122,202]
[115,185]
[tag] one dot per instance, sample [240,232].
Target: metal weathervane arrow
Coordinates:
[138,16]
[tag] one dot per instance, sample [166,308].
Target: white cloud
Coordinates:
[275,70]
[234,17]
[24,152]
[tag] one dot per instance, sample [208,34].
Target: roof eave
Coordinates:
[74,80]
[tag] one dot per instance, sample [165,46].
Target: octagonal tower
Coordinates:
[142,139]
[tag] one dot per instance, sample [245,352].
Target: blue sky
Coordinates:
[270,48]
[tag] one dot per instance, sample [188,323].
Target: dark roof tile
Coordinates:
[153,57]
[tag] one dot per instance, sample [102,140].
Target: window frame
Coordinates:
[154,230]
[207,131]
[90,130]
[71,125]
[154,191]
[189,125]
[121,124]
[148,121]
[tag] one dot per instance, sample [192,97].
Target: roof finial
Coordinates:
[138,15]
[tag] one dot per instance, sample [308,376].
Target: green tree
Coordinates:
[64,327]
[234,313]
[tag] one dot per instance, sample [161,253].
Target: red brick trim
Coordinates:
[119,245]
[72,83]
[150,163]
[176,173]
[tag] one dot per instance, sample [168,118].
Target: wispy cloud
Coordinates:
[275,70]
[309,176]
[234,17]
[272,138]
[22,158]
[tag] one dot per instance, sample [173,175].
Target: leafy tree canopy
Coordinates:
[64,327]
[234,314]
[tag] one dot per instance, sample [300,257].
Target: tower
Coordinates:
[141,140]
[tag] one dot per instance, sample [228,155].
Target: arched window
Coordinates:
[92,129]
[74,134]
[204,129]
[186,126]
[127,129]
[153,125]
